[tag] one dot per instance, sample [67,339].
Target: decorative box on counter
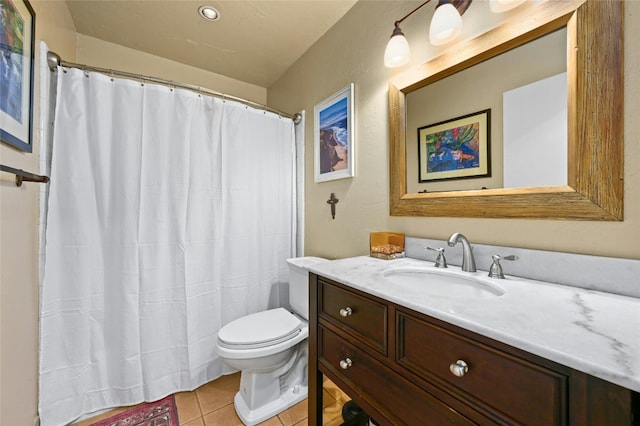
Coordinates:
[386,245]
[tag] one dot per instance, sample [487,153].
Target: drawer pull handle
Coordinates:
[345,363]
[345,312]
[459,369]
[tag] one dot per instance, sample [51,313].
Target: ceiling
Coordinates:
[253,41]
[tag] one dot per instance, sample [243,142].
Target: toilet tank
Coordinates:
[299,283]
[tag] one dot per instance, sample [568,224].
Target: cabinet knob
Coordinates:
[345,312]
[345,363]
[459,369]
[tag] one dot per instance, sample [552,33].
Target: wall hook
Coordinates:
[333,201]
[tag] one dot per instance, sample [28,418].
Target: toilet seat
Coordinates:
[259,330]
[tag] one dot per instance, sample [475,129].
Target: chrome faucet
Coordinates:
[468,263]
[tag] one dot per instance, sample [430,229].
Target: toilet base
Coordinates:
[264,394]
[287,399]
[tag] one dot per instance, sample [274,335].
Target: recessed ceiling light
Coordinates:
[209,13]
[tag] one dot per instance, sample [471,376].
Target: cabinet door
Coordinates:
[510,389]
[365,318]
[400,401]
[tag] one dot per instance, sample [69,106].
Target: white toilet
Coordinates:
[270,350]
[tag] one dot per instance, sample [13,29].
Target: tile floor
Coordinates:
[212,405]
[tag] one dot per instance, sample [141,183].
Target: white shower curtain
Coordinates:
[170,214]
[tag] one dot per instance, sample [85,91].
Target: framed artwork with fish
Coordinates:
[458,148]
[17,43]
[334,136]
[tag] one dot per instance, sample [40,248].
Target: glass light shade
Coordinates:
[499,6]
[446,25]
[397,52]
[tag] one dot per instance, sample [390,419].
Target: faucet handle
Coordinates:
[441,261]
[495,271]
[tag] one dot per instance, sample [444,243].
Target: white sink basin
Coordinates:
[444,282]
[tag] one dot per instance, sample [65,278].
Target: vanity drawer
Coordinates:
[365,318]
[381,387]
[524,392]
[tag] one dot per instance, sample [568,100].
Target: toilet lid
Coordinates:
[260,329]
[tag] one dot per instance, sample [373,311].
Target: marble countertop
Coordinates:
[594,332]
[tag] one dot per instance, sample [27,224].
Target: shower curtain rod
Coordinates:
[53,60]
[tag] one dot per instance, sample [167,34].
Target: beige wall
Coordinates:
[19,211]
[99,53]
[352,51]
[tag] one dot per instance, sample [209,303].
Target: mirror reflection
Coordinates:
[525,90]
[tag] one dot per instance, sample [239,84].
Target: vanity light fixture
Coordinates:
[446,26]
[210,13]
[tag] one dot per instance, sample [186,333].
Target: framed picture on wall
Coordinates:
[334,136]
[455,149]
[16,73]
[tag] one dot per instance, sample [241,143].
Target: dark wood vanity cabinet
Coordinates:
[404,367]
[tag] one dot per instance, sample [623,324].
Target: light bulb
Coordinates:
[446,25]
[499,6]
[398,52]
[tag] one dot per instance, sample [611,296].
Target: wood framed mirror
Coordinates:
[595,98]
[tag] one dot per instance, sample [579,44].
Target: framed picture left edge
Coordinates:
[24,142]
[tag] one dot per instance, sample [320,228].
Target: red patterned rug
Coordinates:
[159,413]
